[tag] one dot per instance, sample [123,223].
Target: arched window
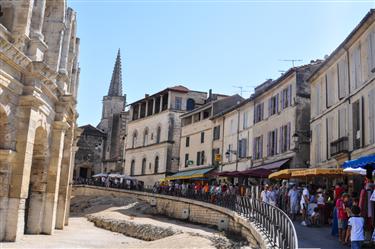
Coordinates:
[156,169]
[3,129]
[144,166]
[134,139]
[158,134]
[145,137]
[132,168]
[190,104]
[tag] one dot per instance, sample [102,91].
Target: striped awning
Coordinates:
[190,174]
[365,162]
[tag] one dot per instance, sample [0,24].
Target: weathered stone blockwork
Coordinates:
[199,212]
[39,75]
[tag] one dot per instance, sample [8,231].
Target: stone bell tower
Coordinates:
[112,118]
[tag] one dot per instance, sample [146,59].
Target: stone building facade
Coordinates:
[281,130]
[343,100]
[153,132]
[200,137]
[39,75]
[89,157]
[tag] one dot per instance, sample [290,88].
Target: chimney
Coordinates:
[210,94]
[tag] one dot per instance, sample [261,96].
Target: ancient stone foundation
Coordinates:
[189,210]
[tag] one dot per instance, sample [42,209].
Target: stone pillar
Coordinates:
[161,103]
[37,47]
[67,205]
[21,22]
[37,19]
[53,30]
[64,180]
[66,43]
[5,172]
[49,218]
[139,110]
[20,177]
[146,109]
[153,106]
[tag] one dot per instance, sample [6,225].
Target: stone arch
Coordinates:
[132,167]
[8,15]
[144,161]
[134,138]
[158,134]
[156,164]
[4,130]
[34,212]
[145,136]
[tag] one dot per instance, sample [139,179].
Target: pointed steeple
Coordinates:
[115,89]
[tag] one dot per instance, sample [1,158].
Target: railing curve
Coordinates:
[271,220]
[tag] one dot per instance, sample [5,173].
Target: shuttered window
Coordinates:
[329,130]
[242,148]
[355,67]
[258,148]
[317,98]
[330,81]
[343,82]
[318,158]
[272,143]
[371,52]
[342,123]
[371,100]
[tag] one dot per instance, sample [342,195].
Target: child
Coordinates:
[355,228]
[314,218]
[341,205]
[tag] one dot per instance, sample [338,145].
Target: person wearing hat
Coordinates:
[341,205]
[320,201]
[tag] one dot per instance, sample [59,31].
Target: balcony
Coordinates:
[339,146]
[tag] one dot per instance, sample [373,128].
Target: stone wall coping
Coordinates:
[257,232]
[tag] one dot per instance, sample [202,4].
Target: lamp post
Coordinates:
[301,137]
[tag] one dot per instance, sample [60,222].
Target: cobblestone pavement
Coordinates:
[317,237]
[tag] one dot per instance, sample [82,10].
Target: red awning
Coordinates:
[264,170]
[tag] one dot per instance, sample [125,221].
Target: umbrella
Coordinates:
[126,177]
[114,175]
[100,175]
[360,171]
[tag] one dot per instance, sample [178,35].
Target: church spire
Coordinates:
[115,89]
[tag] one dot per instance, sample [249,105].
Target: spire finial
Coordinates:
[115,88]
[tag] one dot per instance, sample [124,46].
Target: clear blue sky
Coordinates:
[201,44]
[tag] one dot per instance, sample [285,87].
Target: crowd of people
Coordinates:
[348,214]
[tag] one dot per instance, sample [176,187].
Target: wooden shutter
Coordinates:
[288,136]
[317,144]
[357,67]
[261,146]
[343,82]
[277,103]
[317,104]
[254,149]
[371,104]
[282,99]
[290,95]
[275,142]
[268,143]
[281,139]
[370,52]
[270,106]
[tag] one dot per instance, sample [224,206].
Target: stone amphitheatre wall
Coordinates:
[189,210]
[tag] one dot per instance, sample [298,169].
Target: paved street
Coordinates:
[317,237]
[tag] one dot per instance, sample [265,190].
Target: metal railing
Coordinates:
[339,146]
[275,222]
[271,220]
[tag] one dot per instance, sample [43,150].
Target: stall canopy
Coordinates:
[190,174]
[264,170]
[317,172]
[282,174]
[364,162]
